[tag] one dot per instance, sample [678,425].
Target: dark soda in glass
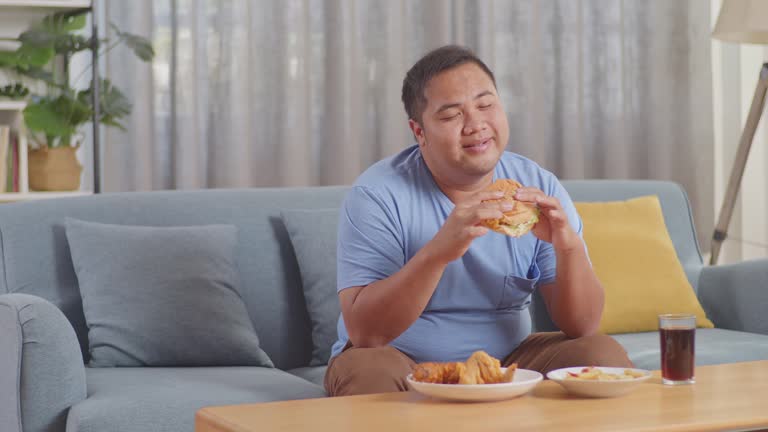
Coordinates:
[677,353]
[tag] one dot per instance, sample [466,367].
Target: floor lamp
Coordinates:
[741,21]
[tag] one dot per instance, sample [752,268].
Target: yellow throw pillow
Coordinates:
[634,258]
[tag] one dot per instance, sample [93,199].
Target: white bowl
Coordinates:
[523,382]
[594,388]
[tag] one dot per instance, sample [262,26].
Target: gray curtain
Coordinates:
[307,92]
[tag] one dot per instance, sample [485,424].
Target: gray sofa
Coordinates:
[46,385]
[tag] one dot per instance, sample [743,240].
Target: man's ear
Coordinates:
[418,132]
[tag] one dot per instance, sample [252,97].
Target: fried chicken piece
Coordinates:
[438,373]
[429,372]
[490,368]
[482,369]
[471,373]
[509,374]
[453,376]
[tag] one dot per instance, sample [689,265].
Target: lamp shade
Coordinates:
[743,21]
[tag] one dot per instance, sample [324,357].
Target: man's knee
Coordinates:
[368,370]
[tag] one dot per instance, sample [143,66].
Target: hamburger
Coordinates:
[520,219]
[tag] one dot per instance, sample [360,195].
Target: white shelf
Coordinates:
[46,4]
[17,15]
[11,105]
[30,196]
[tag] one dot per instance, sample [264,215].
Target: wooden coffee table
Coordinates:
[725,397]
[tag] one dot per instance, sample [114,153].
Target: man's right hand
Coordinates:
[463,225]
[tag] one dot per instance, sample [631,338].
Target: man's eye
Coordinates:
[486,106]
[450,118]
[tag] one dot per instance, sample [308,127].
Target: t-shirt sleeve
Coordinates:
[545,258]
[370,246]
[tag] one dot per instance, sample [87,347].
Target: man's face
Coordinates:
[464,129]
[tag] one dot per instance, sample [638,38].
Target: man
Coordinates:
[420,280]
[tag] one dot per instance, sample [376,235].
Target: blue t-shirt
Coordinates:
[481,302]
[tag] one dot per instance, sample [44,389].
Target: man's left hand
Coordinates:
[553,225]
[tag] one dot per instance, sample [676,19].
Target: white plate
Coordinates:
[593,388]
[523,382]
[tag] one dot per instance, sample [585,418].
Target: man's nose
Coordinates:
[472,125]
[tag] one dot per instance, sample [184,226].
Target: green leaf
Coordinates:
[55,31]
[115,28]
[112,102]
[34,56]
[77,112]
[140,45]
[37,38]
[69,44]
[64,22]
[42,116]
[8,59]
[57,117]
[25,57]
[114,123]
[39,74]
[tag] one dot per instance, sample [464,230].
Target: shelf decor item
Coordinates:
[54,169]
[55,117]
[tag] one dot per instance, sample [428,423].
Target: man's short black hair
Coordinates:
[435,62]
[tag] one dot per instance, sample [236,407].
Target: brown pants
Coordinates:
[383,369]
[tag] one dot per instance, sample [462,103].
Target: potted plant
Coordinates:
[55,116]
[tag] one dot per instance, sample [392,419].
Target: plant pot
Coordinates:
[54,169]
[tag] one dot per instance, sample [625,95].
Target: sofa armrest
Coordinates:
[41,367]
[735,296]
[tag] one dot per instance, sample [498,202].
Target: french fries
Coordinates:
[595,374]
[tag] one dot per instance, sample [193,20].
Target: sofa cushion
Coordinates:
[315,374]
[713,346]
[162,296]
[634,258]
[313,235]
[166,399]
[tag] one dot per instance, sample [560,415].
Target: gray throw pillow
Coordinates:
[313,235]
[162,296]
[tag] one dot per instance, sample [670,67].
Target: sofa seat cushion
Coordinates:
[713,346]
[315,374]
[166,399]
